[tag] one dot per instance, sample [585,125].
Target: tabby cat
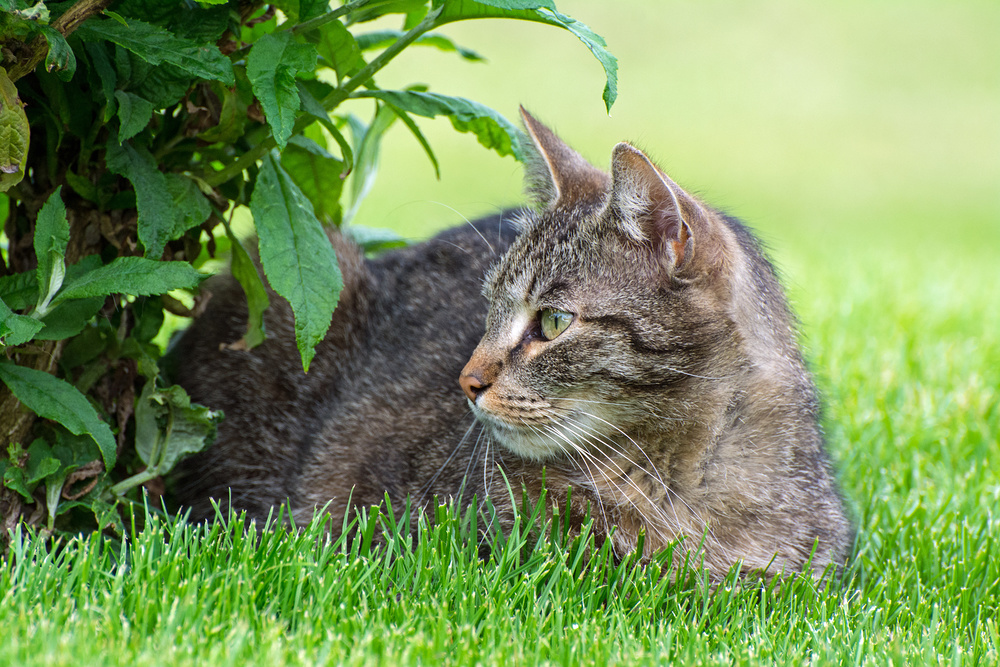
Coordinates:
[637,350]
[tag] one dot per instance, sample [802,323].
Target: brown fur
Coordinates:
[675,403]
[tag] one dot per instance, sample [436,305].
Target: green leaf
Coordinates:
[296,254]
[377,9]
[374,239]
[153,201]
[20,290]
[14,134]
[69,318]
[491,129]
[245,272]
[421,139]
[134,113]
[60,58]
[156,45]
[16,329]
[318,175]
[303,10]
[131,275]
[338,49]
[41,463]
[313,107]
[106,78]
[380,39]
[272,64]
[83,187]
[232,116]
[189,204]
[51,239]
[368,139]
[55,399]
[542,12]
[168,427]
[15,479]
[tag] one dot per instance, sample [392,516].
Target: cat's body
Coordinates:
[637,348]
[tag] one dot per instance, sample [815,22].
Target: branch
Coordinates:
[66,24]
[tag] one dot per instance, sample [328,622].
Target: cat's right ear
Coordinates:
[557,176]
[654,211]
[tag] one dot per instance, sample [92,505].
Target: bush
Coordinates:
[131,132]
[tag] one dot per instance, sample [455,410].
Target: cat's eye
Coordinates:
[554,322]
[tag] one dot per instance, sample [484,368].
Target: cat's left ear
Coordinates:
[653,210]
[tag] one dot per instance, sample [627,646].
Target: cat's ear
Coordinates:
[557,176]
[653,210]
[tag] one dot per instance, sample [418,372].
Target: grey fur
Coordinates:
[676,402]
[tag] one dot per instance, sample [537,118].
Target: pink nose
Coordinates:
[472,385]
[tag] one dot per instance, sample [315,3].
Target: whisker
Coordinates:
[426,487]
[469,222]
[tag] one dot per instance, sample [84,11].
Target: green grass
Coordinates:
[861,138]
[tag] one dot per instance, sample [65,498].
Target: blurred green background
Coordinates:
[834,129]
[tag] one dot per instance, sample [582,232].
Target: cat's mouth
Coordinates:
[537,435]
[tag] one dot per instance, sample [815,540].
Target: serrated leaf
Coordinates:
[106,76]
[296,254]
[156,215]
[50,241]
[245,272]
[20,290]
[134,114]
[380,39]
[51,398]
[69,318]
[60,58]
[168,426]
[491,129]
[272,64]
[16,329]
[338,49]
[156,46]
[541,12]
[318,175]
[136,276]
[14,134]
[189,204]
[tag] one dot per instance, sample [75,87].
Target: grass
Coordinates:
[861,139]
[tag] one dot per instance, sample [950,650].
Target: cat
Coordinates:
[622,341]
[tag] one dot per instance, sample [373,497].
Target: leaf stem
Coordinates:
[135,480]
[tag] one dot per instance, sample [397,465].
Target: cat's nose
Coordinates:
[472,385]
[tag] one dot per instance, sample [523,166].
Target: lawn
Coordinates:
[863,140]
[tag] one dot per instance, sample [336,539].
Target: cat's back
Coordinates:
[405,324]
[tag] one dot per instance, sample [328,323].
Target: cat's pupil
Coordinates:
[554,322]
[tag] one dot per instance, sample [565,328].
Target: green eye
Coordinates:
[554,322]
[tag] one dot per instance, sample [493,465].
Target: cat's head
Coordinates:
[606,311]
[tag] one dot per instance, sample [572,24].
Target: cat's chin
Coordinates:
[522,441]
